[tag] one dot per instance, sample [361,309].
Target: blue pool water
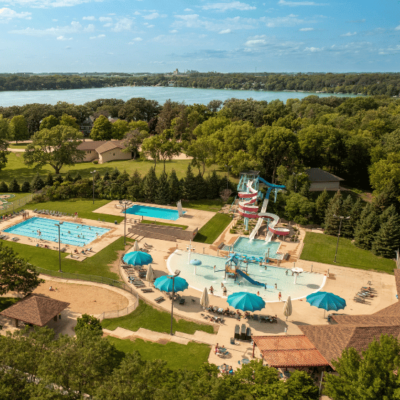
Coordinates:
[256,248]
[154,212]
[205,276]
[73,234]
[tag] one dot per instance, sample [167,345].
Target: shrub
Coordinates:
[39,198]
[26,187]
[58,178]
[14,186]
[246,233]
[37,183]
[95,161]
[3,187]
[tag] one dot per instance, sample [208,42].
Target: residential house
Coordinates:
[104,151]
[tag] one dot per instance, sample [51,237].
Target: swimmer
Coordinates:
[276,286]
[258,293]
[279,296]
[286,272]
[214,265]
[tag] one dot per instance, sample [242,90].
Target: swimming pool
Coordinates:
[204,276]
[154,212]
[256,248]
[73,234]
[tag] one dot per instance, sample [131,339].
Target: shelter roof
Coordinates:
[319,175]
[392,310]
[35,309]
[110,145]
[367,320]
[91,145]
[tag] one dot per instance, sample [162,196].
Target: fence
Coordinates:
[9,207]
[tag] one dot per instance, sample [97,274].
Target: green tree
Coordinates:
[68,177]
[119,129]
[163,191]
[201,186]
[37,183]
[321,205]
[4,137]
[3,187]
[150,184]
[386,214]
[151,147]
[189,185]
[115,174]
[139,109]
[56,147]
[19,128]
[174,186]
[16,274]
[383,172]
[49,179]
[332,222]
[133,140]
[14,186]
[49,122]
[299,209]
[347,230]
[135,186]
[366,229]
[168,149]
[355,214]
[88,323]
[213,185]
[102,129]
[26,187]
[366,376]
[68,120]
[203,150]
[106,176]
[387,239]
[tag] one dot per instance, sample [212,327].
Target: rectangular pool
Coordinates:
[154,212]
[46,229]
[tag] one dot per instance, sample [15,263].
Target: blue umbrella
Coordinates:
[137,258]
[164,283]
[327,301]
[195,262]
[246,301]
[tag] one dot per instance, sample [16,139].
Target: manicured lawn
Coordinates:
[48,259]
[213,228]
[6,302]
[17,169]
[145,316]
[145,221]
[321,248]
[178,356]
[204,205]
[84,208]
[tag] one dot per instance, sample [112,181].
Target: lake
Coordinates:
[161,94]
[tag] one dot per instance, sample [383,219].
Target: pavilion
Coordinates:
[35,309]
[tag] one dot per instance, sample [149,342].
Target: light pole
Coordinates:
[340,227]
[59,245]
[93,173]
[177,272]
[125,203]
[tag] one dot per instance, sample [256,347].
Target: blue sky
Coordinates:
[223,36]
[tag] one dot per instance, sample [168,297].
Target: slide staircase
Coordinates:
[252,281]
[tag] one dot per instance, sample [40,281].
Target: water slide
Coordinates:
[252,281]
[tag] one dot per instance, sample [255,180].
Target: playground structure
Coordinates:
[248,191]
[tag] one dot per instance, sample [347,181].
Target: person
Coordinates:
[292,273]
[227,311]
[216,348]
[286,272]
[224,367]
[224,290]
[222,285]
[279,296]
[51,288]
[211,290]
[214,267]
[258,293]
[230,370]
[276,286]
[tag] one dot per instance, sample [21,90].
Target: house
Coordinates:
[321,180]
[87,125]
[104,151]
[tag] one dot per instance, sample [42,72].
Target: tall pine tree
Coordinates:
[150,186]
[366,228]
[321,206]
[135,185]
[201,187]
[347,226]
[174,187]
[189,185]
[213,185]
[355,214]
[387,239]
[334,208]
[163,195]
[386,214]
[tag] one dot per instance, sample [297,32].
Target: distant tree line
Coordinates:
[367,84]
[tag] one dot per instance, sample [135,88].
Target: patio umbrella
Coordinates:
[137,258]
[327,301]
[150,274]
[246,301]
[204,300]
[195,262]
[287,308]
[136,246]
[164,283]
[297,270]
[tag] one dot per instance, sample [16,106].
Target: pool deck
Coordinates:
[192,218]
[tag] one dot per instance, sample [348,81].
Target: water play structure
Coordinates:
[249,193]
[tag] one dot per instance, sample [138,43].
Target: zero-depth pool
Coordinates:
[256,247]
[154,212]
[204,275]
[46,229]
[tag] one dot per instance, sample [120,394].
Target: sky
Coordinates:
[223,36]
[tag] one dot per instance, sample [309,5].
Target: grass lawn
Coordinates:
[145,316]
[84,208]
[321,248]
[204,205]
[213,228]
[17,169]
[6,302]
[146,221]
[48,259]
[178,356]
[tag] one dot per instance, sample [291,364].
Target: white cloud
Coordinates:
[135,40]
[306,29]
[150,26]
[299,3]
[136,13]
[75,27]
[173,31]
[397,28]
[290,20]
[90,18]
[124,24]
[63,38]
[49,3]
[108,25]
[188,9]
[6,14]
[105,19]
[349,34]
[97,37]
[313,49]
[153,15]
[54,20]
[263,43]
[234,5]
[225,31]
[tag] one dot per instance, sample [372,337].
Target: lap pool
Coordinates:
[203,276]
[43,228]
[154,212]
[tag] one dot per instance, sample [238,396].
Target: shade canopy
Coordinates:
[297,270]
[195,262]
[136,246]
[327,301]
[164,283]
[204,300]
[287,308]
[150,274]
[137,258]
[246,301]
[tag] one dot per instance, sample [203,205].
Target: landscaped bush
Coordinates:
[14,186]
[3,187]
[26,187]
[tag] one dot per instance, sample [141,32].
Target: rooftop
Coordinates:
[319,175]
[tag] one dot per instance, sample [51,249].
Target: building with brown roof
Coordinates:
[321,180]
[35,309]
[104,151]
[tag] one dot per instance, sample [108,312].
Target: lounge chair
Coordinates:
[243,332]
[159,299]
[248,334]
[255,317]
[182,301]
[232,341]
[237,332]
[148,290]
